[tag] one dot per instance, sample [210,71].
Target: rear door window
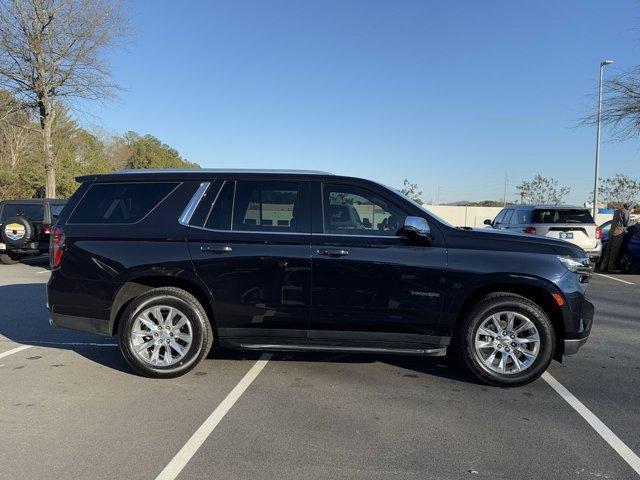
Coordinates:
[123,203]
[267,207]
[257,206]
[562,215]
[33,212]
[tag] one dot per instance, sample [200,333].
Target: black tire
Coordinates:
[7,259]
[499,302]
[626,264]
[202,334]
[17,231]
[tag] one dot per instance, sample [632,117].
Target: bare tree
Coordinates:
[412,191]
[54,49]
[15,136]
[620,106]
[615,191]
[542,190]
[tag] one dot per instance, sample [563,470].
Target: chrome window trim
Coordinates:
[260,232]
[187,213]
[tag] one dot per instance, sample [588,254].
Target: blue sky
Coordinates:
[454,94]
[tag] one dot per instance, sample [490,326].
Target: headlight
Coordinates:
[576,264]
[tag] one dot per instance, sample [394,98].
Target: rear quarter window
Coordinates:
[112,203]
[550,215]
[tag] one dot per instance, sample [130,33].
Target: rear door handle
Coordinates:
[333,252]
[216,248]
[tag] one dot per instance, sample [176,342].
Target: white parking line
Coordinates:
[14,350]
[175,466]
[78,344]
[614,278]
[611,438]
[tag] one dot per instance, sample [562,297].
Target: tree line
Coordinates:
[76,151]
[613,193]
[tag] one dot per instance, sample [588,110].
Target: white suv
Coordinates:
[573,224]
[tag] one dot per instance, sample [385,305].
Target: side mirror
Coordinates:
[416,228]
[488,222]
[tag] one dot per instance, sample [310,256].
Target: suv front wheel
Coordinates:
[164,333]
[506,340]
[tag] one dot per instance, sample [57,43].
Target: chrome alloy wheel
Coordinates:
[161,335]
[507,342]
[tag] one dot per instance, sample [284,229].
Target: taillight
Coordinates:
[56,247]
[531,230]
[598,233]
[46,230]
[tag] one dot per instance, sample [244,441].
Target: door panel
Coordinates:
[382,289]
[370,285]
[261,283]
[253,253]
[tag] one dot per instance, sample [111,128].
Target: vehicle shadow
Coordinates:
[24,319]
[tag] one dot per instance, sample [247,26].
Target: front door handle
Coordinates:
[216,248]
[333,252]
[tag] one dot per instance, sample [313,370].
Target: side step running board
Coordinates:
[431,352]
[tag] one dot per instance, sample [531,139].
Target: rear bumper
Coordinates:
[594,253]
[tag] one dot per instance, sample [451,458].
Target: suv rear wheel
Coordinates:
[164,333]
[506,340]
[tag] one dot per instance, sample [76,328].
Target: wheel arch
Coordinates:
[539,291]
[137,286]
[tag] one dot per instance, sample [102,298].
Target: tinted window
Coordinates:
[266,206]
[220,215]
[35,213]
[507,217]
[355,211]
[119,202]
[551,215]
[521,216]
[55,212]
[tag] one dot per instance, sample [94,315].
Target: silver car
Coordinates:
[573,224]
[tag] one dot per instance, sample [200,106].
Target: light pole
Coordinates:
[603,64]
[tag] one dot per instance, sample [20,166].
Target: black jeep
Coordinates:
[25,226]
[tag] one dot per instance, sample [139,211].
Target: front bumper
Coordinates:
[571,346]
[582,320]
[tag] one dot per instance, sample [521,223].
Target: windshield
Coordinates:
[563,215]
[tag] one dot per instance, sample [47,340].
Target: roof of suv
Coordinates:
[194,173]
[556,207]
[34,201]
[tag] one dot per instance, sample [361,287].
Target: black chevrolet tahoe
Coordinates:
[175,261]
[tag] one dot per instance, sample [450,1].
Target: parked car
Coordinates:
[25,226]
[573,224]
[172,261]
[629,259]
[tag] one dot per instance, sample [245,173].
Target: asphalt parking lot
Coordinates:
[71,408]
